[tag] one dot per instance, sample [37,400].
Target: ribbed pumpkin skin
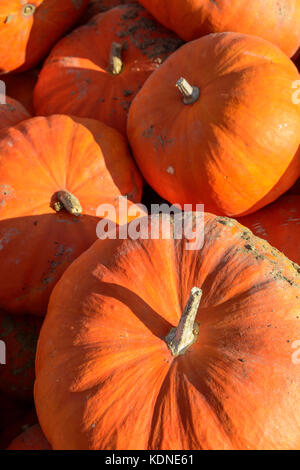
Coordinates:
[31,439]
[279,224]
[277,21]
[107,380]
[20,87]
[38,158]
[12,113]
[20,334]
[25,40]
[75,80]
[221,150]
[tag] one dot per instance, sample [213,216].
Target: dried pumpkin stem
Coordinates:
[190,93]
[180,338]
[115,58]
[67,201]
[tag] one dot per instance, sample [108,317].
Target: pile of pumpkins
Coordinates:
[129,344]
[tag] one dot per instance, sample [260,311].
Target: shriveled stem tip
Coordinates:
[115,58]
[180,338]
[67,201]
[190,93]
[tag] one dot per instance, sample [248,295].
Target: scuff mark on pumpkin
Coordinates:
[148,132]
[47,280]
[8,236]
[277,275]
[6,192]
[281,9]
[162,140]
[132,13]
[63,254]
[135,28]
[125,105]
[127,92]
[248,247]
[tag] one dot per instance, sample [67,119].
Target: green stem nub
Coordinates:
[115,59]
[181,338]
[190,93]
[28,9]
[67,201]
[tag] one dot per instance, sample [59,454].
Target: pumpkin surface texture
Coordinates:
[97,70]
[228,133]
[20,87]
[99,6]
[279,223]
[112,373]
[31,439]
[277,21]
[29,29]
[20,334]
[12,112]
[54,173]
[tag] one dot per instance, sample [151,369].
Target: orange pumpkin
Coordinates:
[277,21]
[279,223]
[48,164]
[28,30]
[31,439]
[96,71]
[20,87]
[113,370]
[227,135]
[12,112]
[20,334]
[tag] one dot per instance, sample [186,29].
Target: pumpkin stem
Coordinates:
[190,93]
[67,201]
[115,58]
[179,339]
